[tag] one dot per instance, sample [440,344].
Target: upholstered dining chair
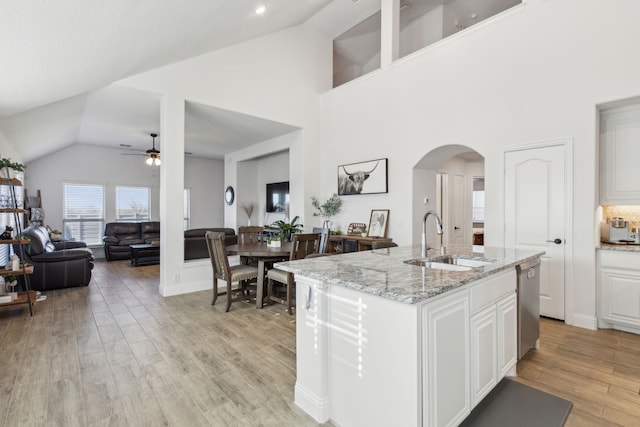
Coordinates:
[303,244]
[221,271]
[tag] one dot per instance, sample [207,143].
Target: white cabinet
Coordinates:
[619,290]
[484,353]
[619,154]
[445,365]
[493,327]
[507,316]
[366,360]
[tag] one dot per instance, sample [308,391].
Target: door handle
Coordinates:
[456,228]
[556,241]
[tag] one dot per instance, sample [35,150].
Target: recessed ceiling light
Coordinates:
[261,9]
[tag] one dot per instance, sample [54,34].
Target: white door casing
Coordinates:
[535,211]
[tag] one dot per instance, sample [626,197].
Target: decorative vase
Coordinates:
[326,224]
[249,222]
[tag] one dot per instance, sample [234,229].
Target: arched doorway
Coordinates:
[450,181]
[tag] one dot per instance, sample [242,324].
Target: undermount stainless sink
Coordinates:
[450,262]
[473,262]
[427,263]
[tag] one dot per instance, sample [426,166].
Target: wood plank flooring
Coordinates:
[116,353]
[599,371]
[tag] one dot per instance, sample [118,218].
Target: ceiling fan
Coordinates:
[153,155]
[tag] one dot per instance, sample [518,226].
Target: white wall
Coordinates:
[252,178]
[276,77]
[205,179]
[6,150]
[523,77]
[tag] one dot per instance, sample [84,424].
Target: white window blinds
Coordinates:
[84,213]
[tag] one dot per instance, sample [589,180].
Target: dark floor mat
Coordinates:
[513,404]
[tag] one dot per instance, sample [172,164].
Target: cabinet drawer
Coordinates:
[619,259]
[490,290]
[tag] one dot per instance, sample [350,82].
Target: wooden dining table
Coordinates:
[262,253]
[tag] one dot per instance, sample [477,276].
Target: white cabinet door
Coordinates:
[507,315]
[619,289]
[619,154]
[445,369]
[484,357]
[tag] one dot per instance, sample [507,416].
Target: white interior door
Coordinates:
[457,213]
[535,210]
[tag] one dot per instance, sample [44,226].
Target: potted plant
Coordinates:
[286,229]
[7,165]
[331,207]
[363,232]
[273,241]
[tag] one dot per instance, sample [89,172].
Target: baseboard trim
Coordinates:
[316,406]
[584,321]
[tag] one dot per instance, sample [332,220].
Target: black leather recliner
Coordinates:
[56,265]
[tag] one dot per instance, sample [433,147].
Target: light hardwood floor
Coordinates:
[116,353]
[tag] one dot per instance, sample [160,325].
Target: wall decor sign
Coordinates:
[368,177]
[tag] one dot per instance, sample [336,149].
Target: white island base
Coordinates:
[365,360]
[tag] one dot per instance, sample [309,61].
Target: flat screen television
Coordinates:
[277,196]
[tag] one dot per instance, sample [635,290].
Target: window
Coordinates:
[186,213]
[132,204]
[83,213]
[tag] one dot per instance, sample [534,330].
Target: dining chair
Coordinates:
[221,271]
[250,234]
[324,237]
[303,244]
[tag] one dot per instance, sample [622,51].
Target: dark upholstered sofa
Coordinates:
[195,244]
[56,265]
[119,235]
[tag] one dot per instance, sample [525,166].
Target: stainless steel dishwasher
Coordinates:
[528,306]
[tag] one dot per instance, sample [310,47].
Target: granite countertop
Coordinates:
[621,248]
[383,272]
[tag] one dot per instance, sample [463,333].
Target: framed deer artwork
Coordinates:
[368,177]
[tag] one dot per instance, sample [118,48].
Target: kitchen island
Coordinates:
[383,342]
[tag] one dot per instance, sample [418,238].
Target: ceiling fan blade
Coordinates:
[134,154]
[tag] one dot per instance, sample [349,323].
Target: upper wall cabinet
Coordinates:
[620,156]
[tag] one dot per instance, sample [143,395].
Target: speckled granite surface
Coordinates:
[383,272]
[621,248]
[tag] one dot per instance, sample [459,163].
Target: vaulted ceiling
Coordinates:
[60,59]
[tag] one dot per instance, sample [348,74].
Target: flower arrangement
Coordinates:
[248,209]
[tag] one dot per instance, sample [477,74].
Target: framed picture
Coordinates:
[378,223]
[368,177]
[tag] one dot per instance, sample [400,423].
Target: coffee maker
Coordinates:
[614,230]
